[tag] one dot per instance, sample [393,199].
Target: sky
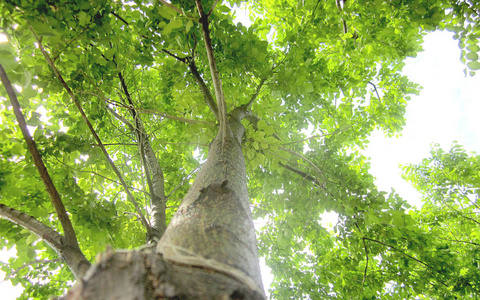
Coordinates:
[445,111]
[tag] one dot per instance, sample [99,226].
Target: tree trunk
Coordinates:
[208,250]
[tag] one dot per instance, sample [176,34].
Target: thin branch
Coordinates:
[156,182]
[92,130]
[115,144]
[100,175]
[120,18]
[376,91]
[458,241]
[121,119]
[257,92]
[172,7]
[303,174]
[314,166]
[158,113]
[217,83]
[320,135]
[469,200]
[203,87]
[398,250]
[181,59]
[182,181]
[35,262]
[211,9]
[147,111]
[339,6]
[366,264]
[168,116]
[69,232]
[198,78]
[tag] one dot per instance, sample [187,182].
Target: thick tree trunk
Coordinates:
[208,250]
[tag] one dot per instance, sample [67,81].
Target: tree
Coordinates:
[125,101]
[450,184]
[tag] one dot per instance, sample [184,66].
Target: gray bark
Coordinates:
[208,250]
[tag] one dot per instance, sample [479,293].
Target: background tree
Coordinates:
[449,182]
[126,100]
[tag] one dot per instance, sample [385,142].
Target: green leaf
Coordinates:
[174,23]
[474,65]
[166,12]
[189,25]
[472,56]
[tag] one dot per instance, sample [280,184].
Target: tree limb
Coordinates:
[190,61]
[156,181]
[92,130]
[69,232]
[73,256]
[303,174]
[121,119]
[203,87]
[217,83]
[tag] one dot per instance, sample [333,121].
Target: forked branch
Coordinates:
[74,258]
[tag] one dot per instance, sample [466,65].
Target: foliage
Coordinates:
[322,74]
[450,184]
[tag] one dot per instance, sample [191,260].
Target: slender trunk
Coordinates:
[208,250]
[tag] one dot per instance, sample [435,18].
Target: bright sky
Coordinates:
[446,110]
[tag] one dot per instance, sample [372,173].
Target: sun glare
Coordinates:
[3,38]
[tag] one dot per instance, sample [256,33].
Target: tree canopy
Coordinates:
[123,102]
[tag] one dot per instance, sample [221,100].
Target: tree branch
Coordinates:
[69,232]
[121,119]
[213,7]
[182,181]
[120,18]
[398,250]
[172,7]
[198,78]
[73,256]
[156,183]
[257,92]
[92,130]
[203,87]
[217,83]
[304,158]
[376,91]
[303,174]
[35,262]
[159,113]
[366,264]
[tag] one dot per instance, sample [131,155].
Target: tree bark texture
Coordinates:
[208,250]
[145,274]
